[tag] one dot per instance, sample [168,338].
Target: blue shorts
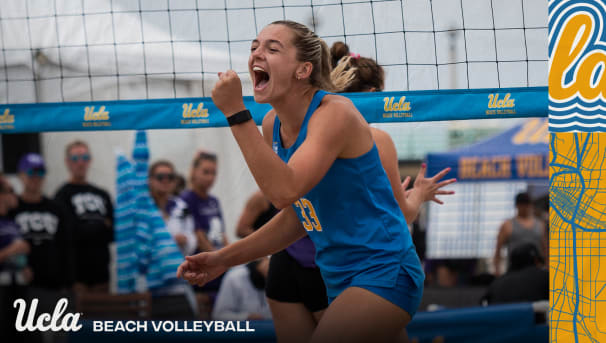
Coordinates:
[405,294]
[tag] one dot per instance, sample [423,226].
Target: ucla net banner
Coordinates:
[380,107]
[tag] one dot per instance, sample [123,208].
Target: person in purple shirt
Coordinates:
[205,208]
[208,218]
[14,274]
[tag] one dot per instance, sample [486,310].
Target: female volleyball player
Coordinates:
[328,168]
[295,289]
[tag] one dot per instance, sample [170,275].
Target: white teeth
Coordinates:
[258,69]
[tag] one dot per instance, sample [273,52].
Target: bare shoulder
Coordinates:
[507,227]
[380,135]
[338,111]
[268,120]
[268,125]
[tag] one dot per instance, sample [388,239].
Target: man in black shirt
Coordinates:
[45,226]
[524,281]
[93,214]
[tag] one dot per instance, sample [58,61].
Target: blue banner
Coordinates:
[379,107]
[520,153]
[493,324]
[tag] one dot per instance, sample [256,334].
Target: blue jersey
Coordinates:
[351,215]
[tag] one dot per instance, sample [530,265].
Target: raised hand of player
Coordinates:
[201,268]
[227,93]
[430,188]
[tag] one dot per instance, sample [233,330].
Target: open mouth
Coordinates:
[261,78]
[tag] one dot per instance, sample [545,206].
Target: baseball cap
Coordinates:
[31,161]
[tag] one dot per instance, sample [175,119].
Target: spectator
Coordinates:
[93,215]
[258,211]
[176,214]
[180,185]
[206,210]
[208,219]
[13,272]
[521,229]
[43,223]
[242,293]
[524,281]
[175,300]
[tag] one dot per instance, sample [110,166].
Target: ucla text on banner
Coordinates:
[380,107]
[577,54]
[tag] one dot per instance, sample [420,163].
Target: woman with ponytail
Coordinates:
[317,161]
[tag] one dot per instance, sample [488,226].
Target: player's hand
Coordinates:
[201,268]
[405,187]
[430,187]
[227,93]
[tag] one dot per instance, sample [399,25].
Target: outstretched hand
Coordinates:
[201,268]
[227,93]
[429,188]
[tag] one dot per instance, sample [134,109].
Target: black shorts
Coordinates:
[288,281]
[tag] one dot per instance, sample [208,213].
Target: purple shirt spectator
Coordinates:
[9,232]
[207,216]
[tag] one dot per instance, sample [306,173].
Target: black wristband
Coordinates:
[238,118]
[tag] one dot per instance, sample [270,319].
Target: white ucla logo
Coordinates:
[45,321]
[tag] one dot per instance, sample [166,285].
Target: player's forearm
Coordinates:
[275,178]
[497,265]
[412,206]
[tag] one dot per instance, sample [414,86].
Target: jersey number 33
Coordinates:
[308,213]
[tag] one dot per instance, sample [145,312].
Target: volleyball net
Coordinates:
[112,65]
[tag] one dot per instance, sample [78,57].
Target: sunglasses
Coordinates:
[161,177]
[83,158]
[35,172]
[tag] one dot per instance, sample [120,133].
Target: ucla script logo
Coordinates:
[7,120]
[58,321]
[501,104]
[198,115]
[396,108]
[97,118]
[577,53]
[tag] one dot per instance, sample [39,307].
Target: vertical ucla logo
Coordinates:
[577,55]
